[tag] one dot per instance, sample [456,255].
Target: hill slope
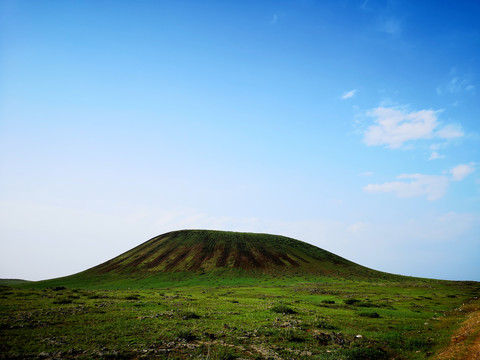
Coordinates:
[201,256]
[200,251]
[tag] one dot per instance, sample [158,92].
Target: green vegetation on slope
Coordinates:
[217,257]
[206,250]
[8,282]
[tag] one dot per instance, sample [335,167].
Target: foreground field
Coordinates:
[321,319]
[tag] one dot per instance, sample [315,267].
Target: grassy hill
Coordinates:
[203,251]
[12,282]
[199,256]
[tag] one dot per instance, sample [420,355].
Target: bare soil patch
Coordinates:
[465,342]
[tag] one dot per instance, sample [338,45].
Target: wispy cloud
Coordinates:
[450,132]
[395,126]
[357,227]
[275,18]
[435,155]
[349,94]
[391,26]
[459,172]
[433,187]
[457,84]
[364,5]
[413,185]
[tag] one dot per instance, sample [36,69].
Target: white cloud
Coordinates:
[450,132]
[349,94]
[459,172]
[431,186]
[456,85]
[395,126]
[435,155]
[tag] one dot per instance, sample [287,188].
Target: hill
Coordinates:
[199,256]
[201,251]
[12,282]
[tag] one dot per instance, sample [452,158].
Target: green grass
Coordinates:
[12,282]
[196,295]
[298,320]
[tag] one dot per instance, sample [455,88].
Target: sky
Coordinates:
[350,125]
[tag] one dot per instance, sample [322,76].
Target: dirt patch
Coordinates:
[465,342]
[224,250]
[181,255]
[160,258]
[136,256]
[202,253]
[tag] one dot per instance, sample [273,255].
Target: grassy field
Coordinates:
[214,317]
[197,294]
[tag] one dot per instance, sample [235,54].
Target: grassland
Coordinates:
[222,295]
[295,319]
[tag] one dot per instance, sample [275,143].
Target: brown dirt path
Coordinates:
[465,342]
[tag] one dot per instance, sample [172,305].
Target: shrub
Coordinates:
[323,324]
[351,301]
[372,315]
[368,304]
[292,335]
[328,301]
[186,335]
[58,288]
[186,315]
[283,309]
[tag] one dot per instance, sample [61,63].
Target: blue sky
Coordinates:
[351,125]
